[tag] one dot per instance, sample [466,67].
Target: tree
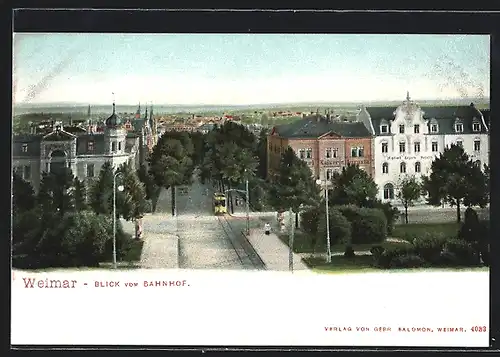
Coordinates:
[261,153]
[80,195]
[152,189]
[134,194]
[57,192]
[170,165]
[23,195]
[456,180]
[409,190]
[101,193]
[352,186]
[294,186]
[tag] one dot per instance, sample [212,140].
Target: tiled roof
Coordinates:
[444,115]
[82,147]
[59,135]
[314,128]
[33,142]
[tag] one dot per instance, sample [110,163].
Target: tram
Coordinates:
[219,203]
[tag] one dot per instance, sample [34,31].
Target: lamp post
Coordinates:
[290,241]
[328,248]
[248,206]
[120,188]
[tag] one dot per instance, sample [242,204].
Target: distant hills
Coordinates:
[75,107]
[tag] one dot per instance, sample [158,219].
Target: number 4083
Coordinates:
[478,329]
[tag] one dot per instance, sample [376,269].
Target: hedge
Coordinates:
[340,228]
[368,225]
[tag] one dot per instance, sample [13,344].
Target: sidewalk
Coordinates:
[161,248]
[273,252]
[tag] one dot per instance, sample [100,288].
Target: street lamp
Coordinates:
[120,188]
[328,249]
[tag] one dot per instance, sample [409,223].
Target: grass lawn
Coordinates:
[411,231]
[301,244]
[363,264]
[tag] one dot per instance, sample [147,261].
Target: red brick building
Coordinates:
[326,144]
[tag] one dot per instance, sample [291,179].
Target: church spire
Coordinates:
[114,105]
[408,96]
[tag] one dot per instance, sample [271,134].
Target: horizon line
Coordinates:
[484,99]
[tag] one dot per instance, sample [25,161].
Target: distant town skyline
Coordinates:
[247,69]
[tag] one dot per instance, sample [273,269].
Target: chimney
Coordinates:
[70,120]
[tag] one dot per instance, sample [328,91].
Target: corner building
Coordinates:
[409,137]
[325,143]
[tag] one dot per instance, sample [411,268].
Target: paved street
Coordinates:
[204,240]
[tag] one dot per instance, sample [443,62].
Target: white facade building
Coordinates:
[409,137]
[83,151]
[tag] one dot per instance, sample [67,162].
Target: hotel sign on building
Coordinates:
[409,137]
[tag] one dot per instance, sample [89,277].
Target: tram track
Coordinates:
[247,255]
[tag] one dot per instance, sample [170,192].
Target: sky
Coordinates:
[243,69]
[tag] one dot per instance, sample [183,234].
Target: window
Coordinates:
[416,128]
[358,151]
[459,127]
[460,143]
[90,146]
[416,146]
[384,129]
[47,167]
[113,146]
[328,153]
[27,172]
[329,174]
[385,168]
[308,153]
[90,170]
[401,129]
[477,163]
[119,146]
[402,168]
[477,145]
[388,191]
[476,127]
[335,152]
[434,128]
[434,146]
[24,148]
[402,147]
[302,153]
[418,167]
[385,147]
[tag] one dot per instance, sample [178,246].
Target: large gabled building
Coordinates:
[407,138]
[84,149]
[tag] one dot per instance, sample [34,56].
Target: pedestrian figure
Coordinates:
[267,229]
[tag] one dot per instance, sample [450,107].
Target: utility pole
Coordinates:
[290,242]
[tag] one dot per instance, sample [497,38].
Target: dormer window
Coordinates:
[476,127]
[434,128]
[384,129]
[459,127]
[24,148]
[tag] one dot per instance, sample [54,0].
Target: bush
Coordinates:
[429,247]
[391,213]
[471,229]
[340,228]
[384,260]
[368,225]
[461,253]
[410,260]
[309,220]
